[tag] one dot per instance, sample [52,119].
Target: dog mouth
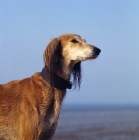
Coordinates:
[95,56]
[92,56]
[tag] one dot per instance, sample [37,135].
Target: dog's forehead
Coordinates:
[68,37]
[80,37]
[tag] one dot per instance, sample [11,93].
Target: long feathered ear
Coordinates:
[52,55]
[76,75]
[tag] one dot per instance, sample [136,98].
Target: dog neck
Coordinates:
[55,80]
[66,69]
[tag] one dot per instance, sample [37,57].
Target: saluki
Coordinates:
[30,108]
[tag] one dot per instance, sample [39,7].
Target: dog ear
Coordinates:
[52,55]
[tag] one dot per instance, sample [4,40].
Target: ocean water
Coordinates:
[98,123]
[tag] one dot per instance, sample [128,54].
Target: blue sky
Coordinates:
[26,27]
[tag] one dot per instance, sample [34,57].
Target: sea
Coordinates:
[98,122]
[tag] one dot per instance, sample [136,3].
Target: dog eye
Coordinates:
[74,41]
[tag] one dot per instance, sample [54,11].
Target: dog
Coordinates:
[30,108]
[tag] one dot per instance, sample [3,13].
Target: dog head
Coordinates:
[71,49]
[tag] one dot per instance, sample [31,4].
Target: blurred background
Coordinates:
[107,104]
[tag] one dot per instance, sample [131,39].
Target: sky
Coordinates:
[26,27]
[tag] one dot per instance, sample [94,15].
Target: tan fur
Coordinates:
[29,108]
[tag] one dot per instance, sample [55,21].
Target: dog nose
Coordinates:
[97,50]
